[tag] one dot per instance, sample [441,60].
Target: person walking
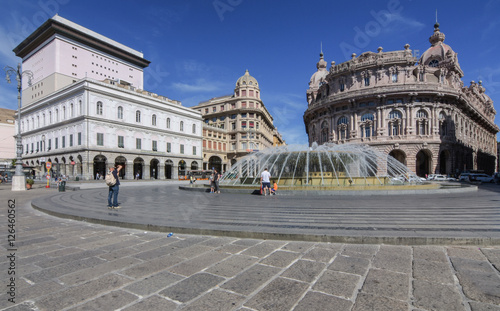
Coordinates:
[265,181]
[216,180]
[113,190]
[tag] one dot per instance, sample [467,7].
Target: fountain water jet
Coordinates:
[326,166]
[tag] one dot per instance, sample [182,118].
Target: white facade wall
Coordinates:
[73,111]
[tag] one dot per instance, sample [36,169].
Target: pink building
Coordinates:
[7,132]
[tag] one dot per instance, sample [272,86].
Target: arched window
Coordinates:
[194,128]
[342,126]
[138,116]
[434,63]
[43,119]
[57,115]
[99,108]
[422,122]
[367,128]
[71,111]
[168,123]
[421,114]
[50,117]
[367,116]
[443,125]
[64,113]
[120,112]
[153,120]
[394,114]
[181,127]
[442,115]
[343,120]
[324,132]
[395,122]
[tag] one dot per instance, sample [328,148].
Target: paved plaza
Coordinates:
[246,252]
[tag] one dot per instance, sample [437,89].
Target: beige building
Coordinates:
[236,125]
[416,110]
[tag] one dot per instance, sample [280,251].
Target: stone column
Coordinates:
[129,170]
[161,170]
[175,171]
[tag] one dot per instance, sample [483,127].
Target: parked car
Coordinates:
[449,178]
[431,176]
[439,177]
[481,178]
[464,177]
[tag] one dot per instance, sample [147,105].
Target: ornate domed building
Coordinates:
[417,111]
[236,125]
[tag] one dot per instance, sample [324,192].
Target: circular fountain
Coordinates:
[325,167]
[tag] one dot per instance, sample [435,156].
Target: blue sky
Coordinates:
[198,49]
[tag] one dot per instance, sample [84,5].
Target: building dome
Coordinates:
[319,75]
[247,80]
[438,51]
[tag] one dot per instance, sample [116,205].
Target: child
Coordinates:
[274,188]
[212,183]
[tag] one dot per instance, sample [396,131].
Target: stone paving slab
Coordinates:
[148,271]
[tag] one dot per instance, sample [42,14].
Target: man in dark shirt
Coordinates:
[113,190]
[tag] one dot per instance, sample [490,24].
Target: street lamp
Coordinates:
[19,179]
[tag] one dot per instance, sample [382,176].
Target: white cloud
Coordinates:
[200,85]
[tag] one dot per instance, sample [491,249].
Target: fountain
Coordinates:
[299,167]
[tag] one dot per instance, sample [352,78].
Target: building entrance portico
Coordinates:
[99,165]
[424,163]
[138,167]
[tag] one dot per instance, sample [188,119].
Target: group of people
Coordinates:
[214,182]
[265,183]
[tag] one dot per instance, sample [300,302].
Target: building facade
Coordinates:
[236,125]
[86,109]
[418,111]
[7,133]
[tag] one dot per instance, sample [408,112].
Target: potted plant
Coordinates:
[29,183]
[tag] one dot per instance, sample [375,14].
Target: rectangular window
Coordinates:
[155,145]
[233,105]
[222,108]
[169,147]
[182,149]
[204,144]
[233,146]
[79,139]
[342,87]
[250,93]
[243,93]
[209,144]
[394,77]
[243,105]
[71,140]
[233,116]
[100,139]
[206,110]
[244,146]
[56,143]
[63,142]
[214,109]
[32,147]
[251,124]
[121,142]
[243,124]
[194,150]
[233,126]
[37,146]
[138,143]
[50,144]
[243,115]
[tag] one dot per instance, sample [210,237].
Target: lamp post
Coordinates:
[19,179]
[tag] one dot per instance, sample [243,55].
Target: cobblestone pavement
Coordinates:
[63,264]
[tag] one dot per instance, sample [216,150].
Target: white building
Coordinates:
[86,110]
